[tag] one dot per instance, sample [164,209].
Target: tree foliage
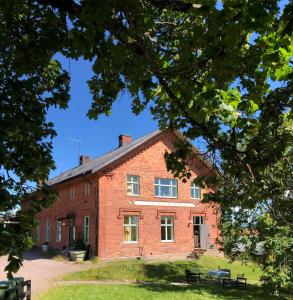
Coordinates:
[221,71]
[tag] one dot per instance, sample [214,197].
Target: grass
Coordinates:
[152,292]
[162,271]
[159,277]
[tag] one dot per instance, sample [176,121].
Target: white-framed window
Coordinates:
[72,192]
[38,232]
[167,229]
[87,189]
[86,229]
[166,188]
[48,230]
[130,229]
[195,191]
[198,220]
[132,184]
[58,231]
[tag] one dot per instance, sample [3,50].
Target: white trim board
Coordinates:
[163,203]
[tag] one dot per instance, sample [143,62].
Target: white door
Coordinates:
[204,236]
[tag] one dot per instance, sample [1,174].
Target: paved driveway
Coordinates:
[42,271]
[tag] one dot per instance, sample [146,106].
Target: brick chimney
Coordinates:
[84,159]
[124,139]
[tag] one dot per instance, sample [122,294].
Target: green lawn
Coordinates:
[160,276]
[162,271]
[152,291]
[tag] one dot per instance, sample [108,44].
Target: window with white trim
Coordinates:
[48,230]
[87,189]
[198,220]
[167,228]
[130,229]
[86,229]
[58,230]
[38,232]
[195,191]
[166,188]
[72,192]
[132,184]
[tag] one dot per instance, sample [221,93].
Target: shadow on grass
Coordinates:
[213,290]
[170,271]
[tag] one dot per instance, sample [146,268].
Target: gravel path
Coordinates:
[42,271]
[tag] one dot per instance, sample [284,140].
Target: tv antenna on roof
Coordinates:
[75,141]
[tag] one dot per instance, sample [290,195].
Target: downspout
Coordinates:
[96,211]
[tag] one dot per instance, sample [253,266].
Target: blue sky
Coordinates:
[98,136]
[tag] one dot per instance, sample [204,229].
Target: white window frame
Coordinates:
[130,181]
[166,225]
[87,189]
[48,230]
[171,186]
[131,225]
[86,229]
[58,231]
[72,192]
[38,232]
[194,187]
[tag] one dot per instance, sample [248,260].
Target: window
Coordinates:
[72,192]
[86,229]
[38,232]
[199,220]
[167,229]
[87,189]
[132,185]
[130,229]
[195,191]
[58,230]
[48,229]
[166,188]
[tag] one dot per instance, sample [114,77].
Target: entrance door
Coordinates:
[71,232]
[201,232]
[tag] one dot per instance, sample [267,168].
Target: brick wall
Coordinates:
[146,161]
[114,204]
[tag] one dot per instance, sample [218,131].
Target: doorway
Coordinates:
[199,232]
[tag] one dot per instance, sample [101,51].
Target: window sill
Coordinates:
[58,241]
[196,199]
[130,242]
[132,195]
[167,241]
[166,197]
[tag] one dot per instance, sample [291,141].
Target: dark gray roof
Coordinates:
[102,161]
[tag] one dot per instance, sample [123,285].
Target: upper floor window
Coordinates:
[72,192]
[166,188]
[167,229]
[87,189]
[132,185]
[130,229]
[195,191]
[58,230]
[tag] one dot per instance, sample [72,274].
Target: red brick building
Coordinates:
[126,204]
